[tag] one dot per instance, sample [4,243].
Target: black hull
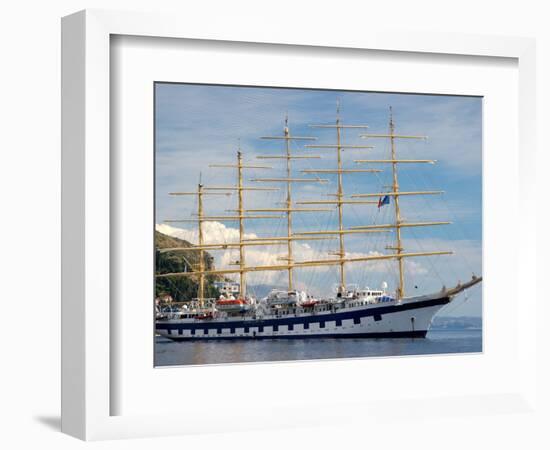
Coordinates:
[385,335]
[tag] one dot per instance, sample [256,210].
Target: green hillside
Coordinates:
[181,288]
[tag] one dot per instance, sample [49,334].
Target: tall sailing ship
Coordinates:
[349,311]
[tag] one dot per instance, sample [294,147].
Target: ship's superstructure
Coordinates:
[293,313]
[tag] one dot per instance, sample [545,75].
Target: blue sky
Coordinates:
[197,125]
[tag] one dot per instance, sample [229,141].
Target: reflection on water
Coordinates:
[168,353]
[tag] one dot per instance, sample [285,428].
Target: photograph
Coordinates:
[296,224]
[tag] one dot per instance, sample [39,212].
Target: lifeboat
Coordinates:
[232,305]
[309,303]
[206,316]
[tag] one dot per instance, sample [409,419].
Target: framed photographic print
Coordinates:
[288,242]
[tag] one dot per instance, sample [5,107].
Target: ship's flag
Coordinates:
[383,201]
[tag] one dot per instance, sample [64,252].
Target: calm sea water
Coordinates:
[169,353]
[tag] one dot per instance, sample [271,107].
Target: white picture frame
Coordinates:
[87,322]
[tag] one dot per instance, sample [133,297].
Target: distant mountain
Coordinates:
[261,290]
[457,323]
[181,288]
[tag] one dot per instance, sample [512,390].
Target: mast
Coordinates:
[395,185]
[242,275]
[201,247]
[201,243]
[340,197]
[289,180]
[288,206]
[241,214]
[396,193]
[339,146]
